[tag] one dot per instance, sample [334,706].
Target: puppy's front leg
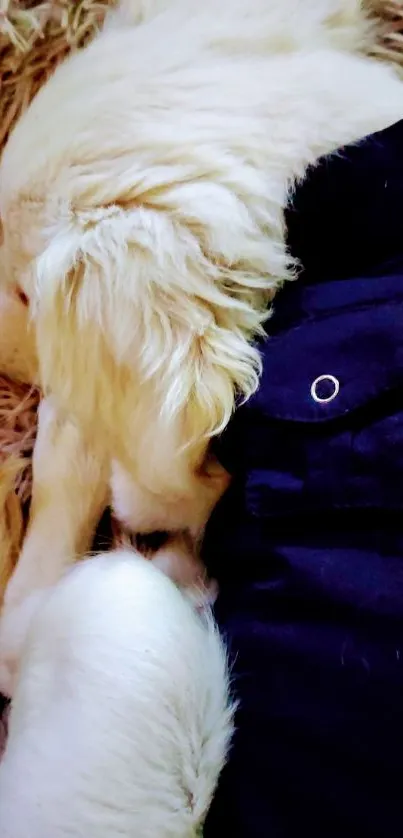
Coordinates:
[70,488]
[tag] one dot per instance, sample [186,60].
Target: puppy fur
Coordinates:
[121,719]
[142,197]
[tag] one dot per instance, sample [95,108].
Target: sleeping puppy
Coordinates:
[121,718]
[142,197]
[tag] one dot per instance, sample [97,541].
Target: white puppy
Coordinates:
[121,719]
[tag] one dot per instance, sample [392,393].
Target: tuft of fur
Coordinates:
[121,720]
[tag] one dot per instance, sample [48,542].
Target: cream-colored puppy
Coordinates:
[142,197]
[121,718]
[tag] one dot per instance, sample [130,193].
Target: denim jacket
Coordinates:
[307,545]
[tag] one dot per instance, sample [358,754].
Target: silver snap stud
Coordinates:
[333,388]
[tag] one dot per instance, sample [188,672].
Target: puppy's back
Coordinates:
[121,720]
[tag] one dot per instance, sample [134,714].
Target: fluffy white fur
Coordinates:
[142,197]
[121,720]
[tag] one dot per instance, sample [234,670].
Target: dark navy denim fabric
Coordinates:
[308,543]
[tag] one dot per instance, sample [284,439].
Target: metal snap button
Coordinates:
[325,388]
